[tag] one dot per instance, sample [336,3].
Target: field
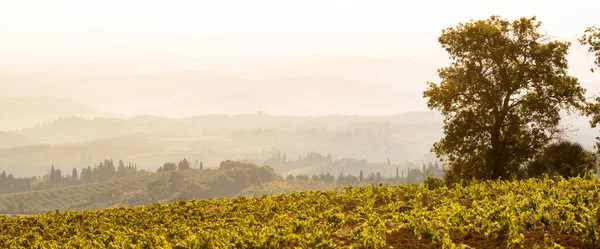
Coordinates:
[138,189]
[492,214]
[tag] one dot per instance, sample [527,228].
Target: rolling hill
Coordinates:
[150,141]
[12,139]
[532,213]
[139,189]
[191,93]
[24,112]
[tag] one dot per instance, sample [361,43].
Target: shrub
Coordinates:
[433,183]
[565,159]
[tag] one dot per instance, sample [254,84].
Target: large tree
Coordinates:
[501,96]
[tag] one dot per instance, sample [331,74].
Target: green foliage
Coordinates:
[167,167]
[433,183]
[501,96]
[183,165]
[565,159]
[591,38]
[235,164]
[286,187]
[501,212]
[140,189]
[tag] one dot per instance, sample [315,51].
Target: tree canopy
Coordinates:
[501,96]
[591,38]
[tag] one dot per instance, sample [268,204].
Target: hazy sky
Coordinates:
[77,23]
[171,36]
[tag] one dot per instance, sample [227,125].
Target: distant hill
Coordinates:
[405,74]
[35,160]
[77,129]
[24,112]
[12,139]
[305,95]
[193,76]
[190,93]
[150,141]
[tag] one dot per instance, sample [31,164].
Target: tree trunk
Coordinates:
[495,164]
[498,162]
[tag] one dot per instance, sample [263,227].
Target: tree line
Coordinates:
[412,176]
[181,165]
[228,179]
[103,171]
[279,158]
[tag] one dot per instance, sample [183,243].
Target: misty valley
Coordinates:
[325,152]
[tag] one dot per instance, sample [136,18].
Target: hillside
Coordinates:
[205,126]
[77,129]
[139,189]
[150,141]
[35,160]
[407,74]
[12,139]
[311,95]
[27,111]
[532,213]
[189,93]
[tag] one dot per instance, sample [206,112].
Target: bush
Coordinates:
[433,183]
[566,159]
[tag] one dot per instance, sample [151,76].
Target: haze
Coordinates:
[298,64]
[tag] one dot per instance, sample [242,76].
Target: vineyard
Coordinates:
[495,214]
[138,189]
[288,186]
